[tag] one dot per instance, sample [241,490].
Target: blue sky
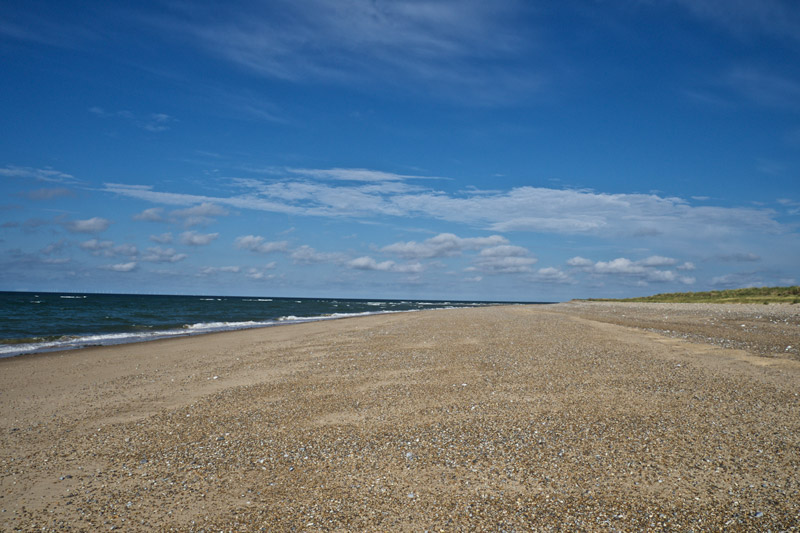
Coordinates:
[501,150]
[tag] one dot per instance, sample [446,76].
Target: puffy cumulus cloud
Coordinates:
[256,243]
[551,275]
[192,238]
[164,238]
[307,255]
[504,259]
[108,248]
[641,271]
[153,214]
[199,214]
[90,225]
[157,254]
[578,261]
[121,267]
[442,245]
[196,215]
[504,251]
[261,274]
[658,261]
[368,263]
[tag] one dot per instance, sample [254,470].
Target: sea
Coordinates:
[33,322]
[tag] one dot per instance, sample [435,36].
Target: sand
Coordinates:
[579,416]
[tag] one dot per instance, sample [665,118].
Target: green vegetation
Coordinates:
[754,295]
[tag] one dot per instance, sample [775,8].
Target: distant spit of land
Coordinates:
[766,295]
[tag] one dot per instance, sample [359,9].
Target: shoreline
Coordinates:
[512,417]
[77,342]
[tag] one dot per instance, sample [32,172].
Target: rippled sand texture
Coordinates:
[500,419]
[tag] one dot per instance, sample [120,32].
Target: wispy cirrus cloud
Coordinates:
[776,18]
[765,88]
[519,209]
[469,49]
[203,213]
[46,174]
[153,122]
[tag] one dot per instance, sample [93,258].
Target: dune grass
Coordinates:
[752,295]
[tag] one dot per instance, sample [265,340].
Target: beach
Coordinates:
[574,416]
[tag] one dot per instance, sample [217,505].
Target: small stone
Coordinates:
[759,514]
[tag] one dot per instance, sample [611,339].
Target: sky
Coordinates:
[427,149]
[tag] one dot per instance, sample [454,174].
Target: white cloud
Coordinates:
[442,245]
[657,261]
[307,255]
[256,243]
[551,275]
[94,245]
[192,238]
[580,262]
[353,174]
[642,271]
[91,225]
[423,46]
[504,251]
[224,269]
[108,249]
[368,263]
[557,211]
[157,254]
[153,214]
[121,267]
[164,238]
[46,174]
[504,259]
[261,274]
[199,214]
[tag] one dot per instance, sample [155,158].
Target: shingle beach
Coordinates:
[576,416]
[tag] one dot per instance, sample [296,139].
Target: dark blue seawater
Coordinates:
[37,322]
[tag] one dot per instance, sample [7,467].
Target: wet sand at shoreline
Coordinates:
[588,416]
